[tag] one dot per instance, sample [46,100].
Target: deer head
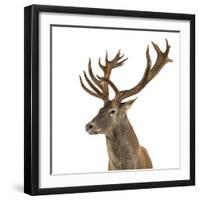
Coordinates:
[114,110]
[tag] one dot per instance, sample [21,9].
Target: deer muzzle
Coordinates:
[91,128]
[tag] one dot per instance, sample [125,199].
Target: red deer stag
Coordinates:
[124,150]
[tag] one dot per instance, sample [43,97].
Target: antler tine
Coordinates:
[117,62]
[95,91]
[167,47]
[94,79]
[101,66]
[87,90]
[107,61]
[91,84]
[150,73]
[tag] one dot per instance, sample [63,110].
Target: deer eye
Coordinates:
[112,112]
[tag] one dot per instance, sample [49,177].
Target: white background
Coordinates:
[11,102]
[154,116]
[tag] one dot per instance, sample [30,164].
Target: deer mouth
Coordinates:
[94,132]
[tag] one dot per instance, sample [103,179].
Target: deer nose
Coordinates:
[89,126]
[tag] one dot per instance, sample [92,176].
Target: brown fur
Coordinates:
[124,150]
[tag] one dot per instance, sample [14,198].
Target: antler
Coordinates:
[149,74]
[101,89]
[100,84]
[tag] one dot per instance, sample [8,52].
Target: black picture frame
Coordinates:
[31,98]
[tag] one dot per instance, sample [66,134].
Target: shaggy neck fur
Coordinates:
[122,145]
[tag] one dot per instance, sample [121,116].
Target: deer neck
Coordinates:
[122,145]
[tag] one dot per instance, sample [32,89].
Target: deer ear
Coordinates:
[128,104]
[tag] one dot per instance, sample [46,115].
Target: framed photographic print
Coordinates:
[109,99]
